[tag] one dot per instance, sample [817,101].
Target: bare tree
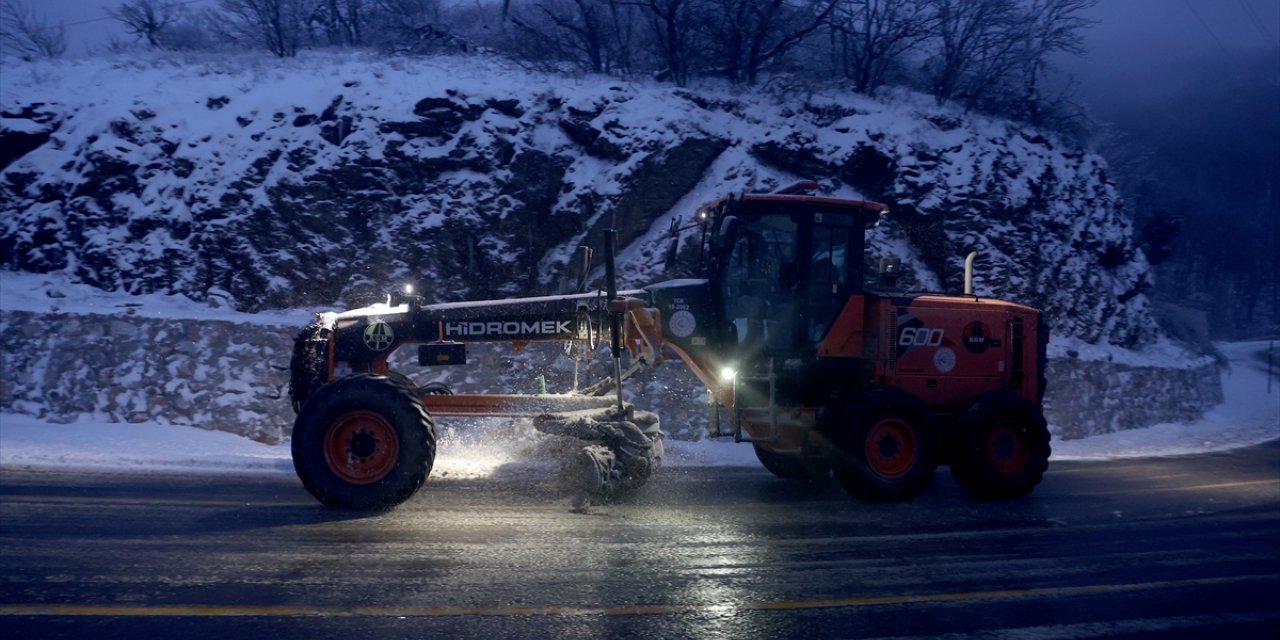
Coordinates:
[1047,27]
[875,34]
[343,21]
[147,19]
[28,35]
[672,27]
[191,31]
[597,35]
[583,24]
[976,43]
[624,22]
[278,25]
[411,26]
[742,36]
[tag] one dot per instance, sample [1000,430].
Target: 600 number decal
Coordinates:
[920,337]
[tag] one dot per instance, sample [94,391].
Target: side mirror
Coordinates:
[673,248]
[583,269]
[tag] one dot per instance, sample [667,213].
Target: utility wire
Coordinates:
[105,18]
[1258,22]
[1211,33]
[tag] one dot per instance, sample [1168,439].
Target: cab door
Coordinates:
[758,287]
[831,272]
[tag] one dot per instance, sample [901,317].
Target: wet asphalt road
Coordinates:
[1176,547]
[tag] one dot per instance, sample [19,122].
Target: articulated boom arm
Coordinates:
[363,340]
[334,355]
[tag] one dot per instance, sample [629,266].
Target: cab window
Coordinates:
[757,282]
[833,250]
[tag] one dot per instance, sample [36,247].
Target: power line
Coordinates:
[105,18]
[1258,22]
[1211,33]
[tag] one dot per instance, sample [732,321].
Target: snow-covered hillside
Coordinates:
[239,185]
[324,180]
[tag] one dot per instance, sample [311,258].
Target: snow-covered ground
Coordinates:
[58,293]
[1250,415]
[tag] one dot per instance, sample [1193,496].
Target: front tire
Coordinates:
[363,442]
[1002,446]
[793,467]
[885,449]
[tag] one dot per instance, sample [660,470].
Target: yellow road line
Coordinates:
[1232,485]
[258,504]
[179,502]
[198,610]
[1198,487]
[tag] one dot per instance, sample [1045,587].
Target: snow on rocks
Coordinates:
[328,178]
[196,186]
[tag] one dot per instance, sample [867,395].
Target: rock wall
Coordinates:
[234,377]
[474,180]
[214,375]
[1089,397]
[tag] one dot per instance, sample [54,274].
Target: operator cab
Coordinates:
[785,265]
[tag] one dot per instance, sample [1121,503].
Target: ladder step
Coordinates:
[771,409]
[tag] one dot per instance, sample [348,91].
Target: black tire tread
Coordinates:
[847,429]
[790,467]
[969,466]
[410,418]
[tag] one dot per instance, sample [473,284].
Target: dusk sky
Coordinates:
[1146,46]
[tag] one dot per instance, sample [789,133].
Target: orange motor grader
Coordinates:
[821,372]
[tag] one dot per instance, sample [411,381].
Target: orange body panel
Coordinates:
[947,350]
[506,405]
[846,336]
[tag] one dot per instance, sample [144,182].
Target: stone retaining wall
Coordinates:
[234,377]
[209,374]
[1089,397]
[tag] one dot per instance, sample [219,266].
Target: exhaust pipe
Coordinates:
[968,272]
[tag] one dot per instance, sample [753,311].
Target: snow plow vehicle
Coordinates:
[819,372]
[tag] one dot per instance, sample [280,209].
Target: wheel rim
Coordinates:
[891,448]
[1007,448]
[361,447]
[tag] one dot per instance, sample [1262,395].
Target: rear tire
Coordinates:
[885,449]
[1002,446]
[363,442]
[794,467]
